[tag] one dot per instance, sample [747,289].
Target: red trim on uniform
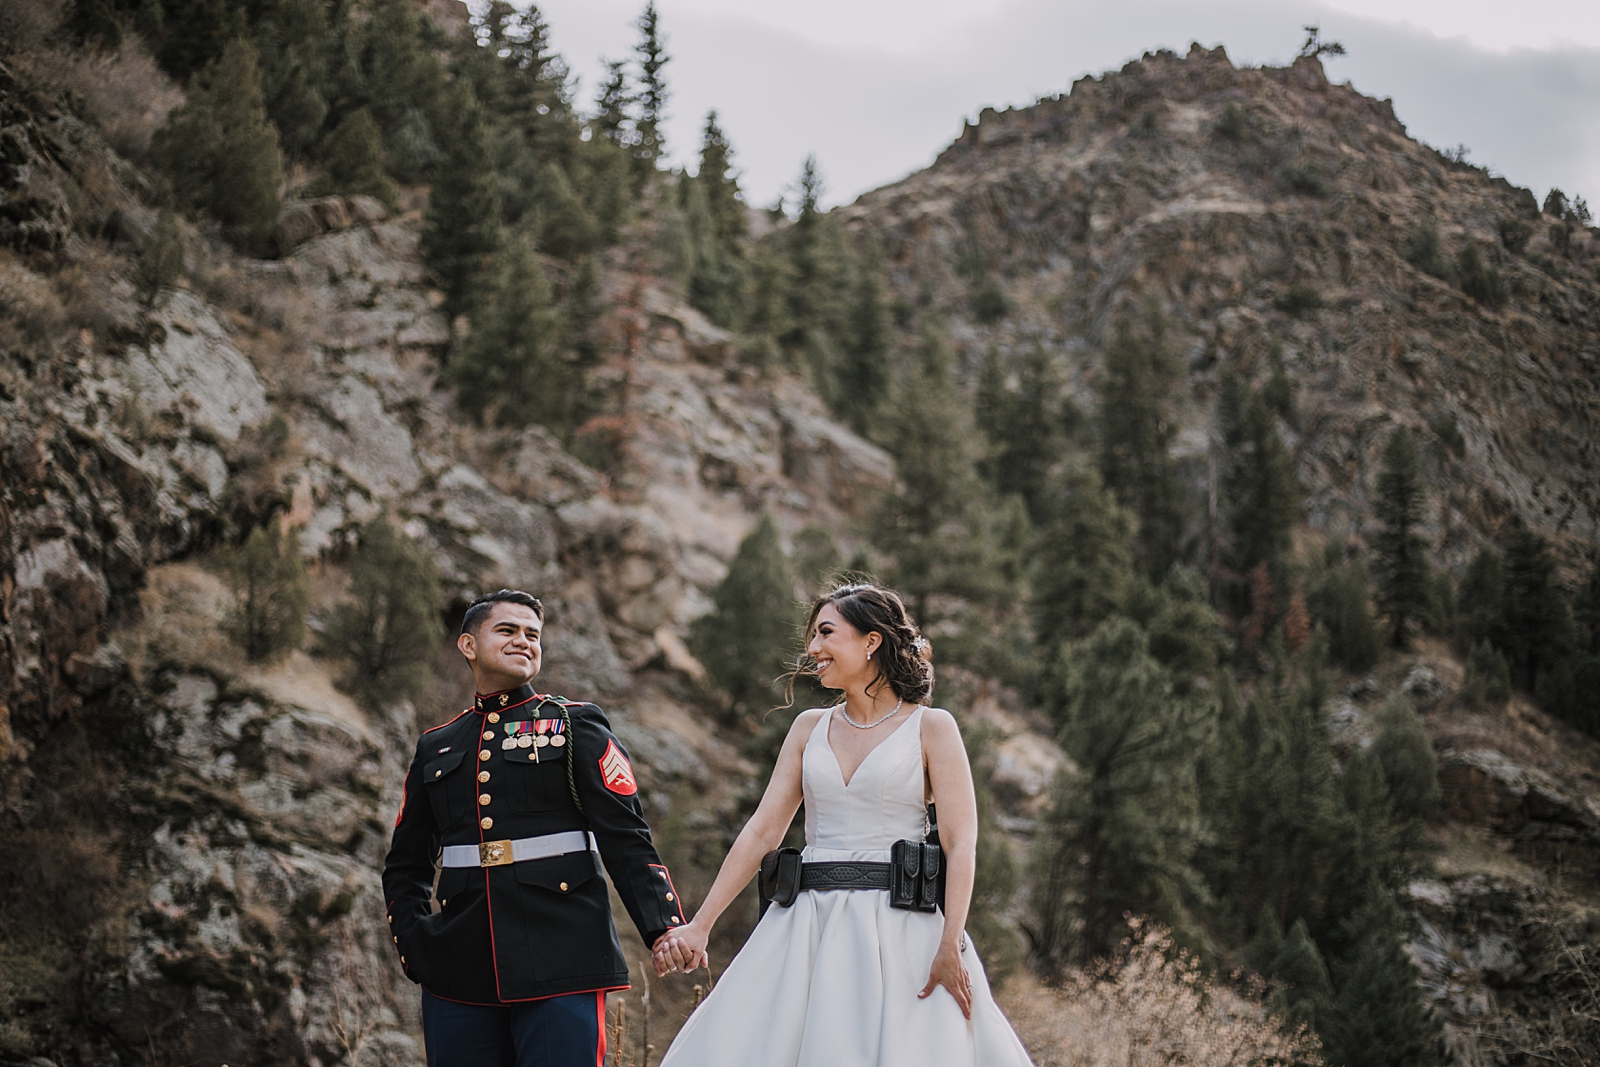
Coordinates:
[508,707]
[442,725]
[677,898]
[402,812]
[600,1015]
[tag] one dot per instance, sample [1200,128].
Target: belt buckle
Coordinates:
[494,853]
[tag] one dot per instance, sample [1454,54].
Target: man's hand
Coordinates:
[682,949]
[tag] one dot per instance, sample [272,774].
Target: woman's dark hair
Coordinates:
[905,659]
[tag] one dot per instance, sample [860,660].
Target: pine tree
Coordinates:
[862,379]
[221,151]
[1586,661]
[1537,622]
[392,71]
[161,257]
[1306,988]
[1338,595]
[1084,569]
[1400,553]
[817,559]
[511,368]
[932,528]
[613,104]
[1135,435]
[1259,486]
[461,229]
[271,594]
[390,625]
[720,285]
[197,33]
[1488,678]
[354,160]
[1404,752]
[1027,425]
[1122,831]
[1378,1017]
[753,624]
[651,52]
[1482,599]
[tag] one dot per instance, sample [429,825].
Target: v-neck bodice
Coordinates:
[883,802]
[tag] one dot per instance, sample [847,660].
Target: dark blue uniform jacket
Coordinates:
[536,928]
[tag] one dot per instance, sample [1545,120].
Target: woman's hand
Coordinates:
[682,949]
[950,972]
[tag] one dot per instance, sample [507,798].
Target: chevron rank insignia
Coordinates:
[617,772]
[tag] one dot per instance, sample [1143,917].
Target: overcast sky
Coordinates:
[877,88]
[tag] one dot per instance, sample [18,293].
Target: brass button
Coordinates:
[402,959]
[483,776]
[483,753]
[444,903]
[483,798]
[437,773]
[486,822]
[391,918]
[674,919]
[563,887]
[669,896]
[396,940]
[494,716]
[488,735]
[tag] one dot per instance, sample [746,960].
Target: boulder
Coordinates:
[366,210]
[332,212]
[297,223]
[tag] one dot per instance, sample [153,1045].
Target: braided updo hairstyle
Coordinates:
[905,659]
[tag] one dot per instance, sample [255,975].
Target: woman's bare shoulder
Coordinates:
[808,719]
[940,727]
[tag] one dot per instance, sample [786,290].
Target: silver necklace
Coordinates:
[867,726]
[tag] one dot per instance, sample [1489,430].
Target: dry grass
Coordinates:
[1154,1007]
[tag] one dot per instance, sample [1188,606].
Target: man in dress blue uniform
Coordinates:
[519,800]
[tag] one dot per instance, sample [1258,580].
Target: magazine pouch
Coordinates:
[778,881]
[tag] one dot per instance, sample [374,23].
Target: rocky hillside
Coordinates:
[1265,215]
[196,839]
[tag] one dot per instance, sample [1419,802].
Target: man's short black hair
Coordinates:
[479,609]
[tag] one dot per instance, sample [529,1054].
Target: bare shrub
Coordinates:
[127,96]
[1152,1006]
[29,306]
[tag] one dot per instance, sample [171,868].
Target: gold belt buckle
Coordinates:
[494,853]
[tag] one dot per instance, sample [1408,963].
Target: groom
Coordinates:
[526,795]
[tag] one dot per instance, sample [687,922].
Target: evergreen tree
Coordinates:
[511,368]
[1306,988]
[1338,595]
[817,560]
[161,257]
[390,625]
[1084,568]
[391,69]
[651,52]
[354,160]
[933,527]
[1259,486]
[461,229]
[720,284]
[1378,1016]
[1400,553]
[221,151]
[862,380]
[566,226]
[1537,623]
[1027,425]
[1135,435]
[613,104]
[294,40]
[1488,675]
[270,591]
[197,33]
[1482,599]
[1586,662]
[1403,751]
[753,624]
[1121,832]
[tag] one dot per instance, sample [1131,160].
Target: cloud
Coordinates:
[874,114]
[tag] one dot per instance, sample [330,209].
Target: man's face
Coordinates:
[504,652]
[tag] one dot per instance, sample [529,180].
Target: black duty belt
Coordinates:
[844,875]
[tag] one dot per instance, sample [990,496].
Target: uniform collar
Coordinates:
[511,698]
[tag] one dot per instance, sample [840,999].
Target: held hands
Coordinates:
[682,949]
[950,972]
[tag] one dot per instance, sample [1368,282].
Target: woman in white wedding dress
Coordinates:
[839,978]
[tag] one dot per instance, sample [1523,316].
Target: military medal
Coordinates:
[558,735]
[508,744]
[541,730]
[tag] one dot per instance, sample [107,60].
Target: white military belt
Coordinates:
[498,853]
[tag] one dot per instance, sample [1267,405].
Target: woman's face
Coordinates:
[841,652]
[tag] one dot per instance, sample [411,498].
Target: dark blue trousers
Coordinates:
[567,1031]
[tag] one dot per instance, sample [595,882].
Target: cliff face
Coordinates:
[197,838]
[207,832]
[1264,214]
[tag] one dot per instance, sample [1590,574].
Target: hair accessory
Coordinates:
[920,643]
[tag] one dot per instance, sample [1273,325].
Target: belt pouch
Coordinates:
[779,879]
[905,872]
[930,890]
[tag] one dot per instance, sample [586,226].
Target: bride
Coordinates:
[839,978]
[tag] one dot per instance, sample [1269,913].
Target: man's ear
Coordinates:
[468,647]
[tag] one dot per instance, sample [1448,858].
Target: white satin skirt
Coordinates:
[832,981]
